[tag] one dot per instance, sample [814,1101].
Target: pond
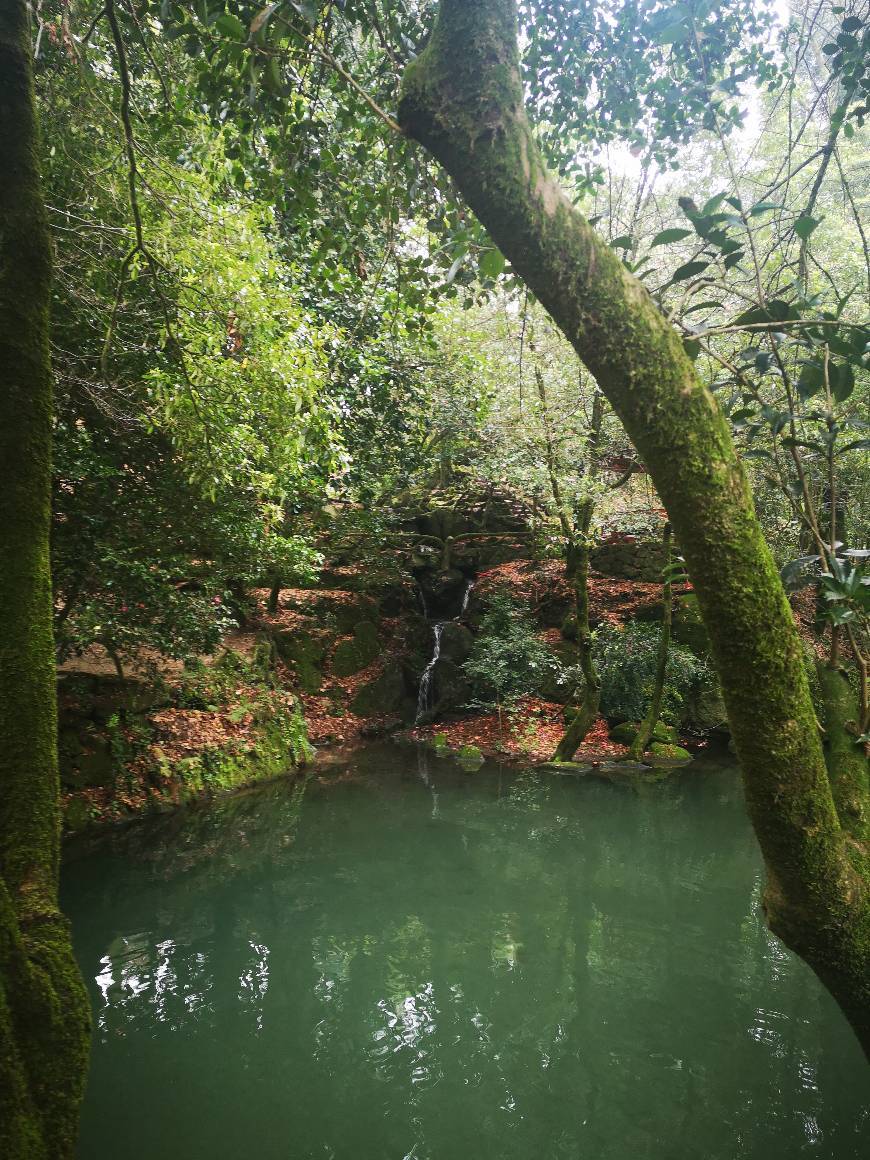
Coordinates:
[397,960]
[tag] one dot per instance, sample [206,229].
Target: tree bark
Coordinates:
[644,734]
[577,572]
[44,1015]
[590,700]
[463,99]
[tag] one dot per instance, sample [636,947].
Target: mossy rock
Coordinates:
[383,696]
[350,614]
[76,815]
[306,654]
[668,754]
[688,627]
[567,767]
[625,733]
[704,708]
[470,758]
[352,656]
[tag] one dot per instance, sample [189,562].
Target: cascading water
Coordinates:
[466,596]
[424,695]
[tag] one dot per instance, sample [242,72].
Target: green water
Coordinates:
[397,961]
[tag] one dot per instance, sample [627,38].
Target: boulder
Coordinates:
[347,614]
[305,653]
[688,626]
[354,655]
[662,753]
[627,731]
[386,695]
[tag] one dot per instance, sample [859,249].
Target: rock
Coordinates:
[625,733]
[451,687]
[443,592]
[386,695]
[351,656]
[349,613]
[567,767]
[456,641]
[661,753]
[623,768]
[688,626]
[638,560]
[306,654]
[470,758]
[704,709]
[568,627]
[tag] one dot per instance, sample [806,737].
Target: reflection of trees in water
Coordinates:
[526,945]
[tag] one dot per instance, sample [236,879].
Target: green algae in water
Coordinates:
[398,961]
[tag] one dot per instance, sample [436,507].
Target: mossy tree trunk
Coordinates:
[463,99]
[44,1016]
[644,734]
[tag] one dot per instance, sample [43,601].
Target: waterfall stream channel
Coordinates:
[425,694]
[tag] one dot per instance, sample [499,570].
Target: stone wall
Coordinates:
[630,559]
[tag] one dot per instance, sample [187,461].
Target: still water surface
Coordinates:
[399,960]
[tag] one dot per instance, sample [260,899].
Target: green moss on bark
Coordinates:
[462,98]
[43,1006]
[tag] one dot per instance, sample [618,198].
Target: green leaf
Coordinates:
[692,347]
[674,34]
[712,205]
[804,226]
[842,379]
[231,26]
[492,263]
[688,270]
[707,305]
[665,237]
[623,242]
[812,379]
[763,207]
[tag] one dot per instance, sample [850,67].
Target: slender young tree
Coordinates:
[463,99]
[644,734]
[44,1019]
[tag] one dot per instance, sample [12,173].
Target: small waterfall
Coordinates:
[424,696]
[466,596]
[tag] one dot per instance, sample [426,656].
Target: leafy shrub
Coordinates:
[626,659]
[507,659]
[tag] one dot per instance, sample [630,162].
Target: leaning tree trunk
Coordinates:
[44,1015]
[463,99]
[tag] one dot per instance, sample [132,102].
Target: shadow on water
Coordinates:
[400,960]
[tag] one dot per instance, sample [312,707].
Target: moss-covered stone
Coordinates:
[354,655]
[469,757]
[348,614]
[383,696]
[305,653]
[660,752]
[626,732]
